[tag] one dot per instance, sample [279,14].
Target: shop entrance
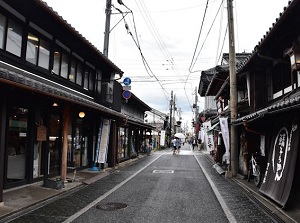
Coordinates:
[16,147]
[54,145]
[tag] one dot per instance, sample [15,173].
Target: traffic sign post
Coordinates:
[126,95]
[127,81]
[126,89]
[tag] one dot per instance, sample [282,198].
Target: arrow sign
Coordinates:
[127,81]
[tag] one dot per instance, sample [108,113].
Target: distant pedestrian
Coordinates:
[178,145]
[194,143]
[174,146]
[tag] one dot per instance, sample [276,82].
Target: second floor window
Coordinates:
[64,66]
[38,51]
[14,38]
[89,79]
[2,28]
[39,45]
[44,54]
[61,64]
[79,74]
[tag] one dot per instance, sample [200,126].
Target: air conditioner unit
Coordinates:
[107,92]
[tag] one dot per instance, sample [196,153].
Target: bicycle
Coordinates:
[254,170]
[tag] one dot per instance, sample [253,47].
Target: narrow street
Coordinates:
[158,188]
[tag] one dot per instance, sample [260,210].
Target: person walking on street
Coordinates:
[194,143]
[178,145]
[174,146]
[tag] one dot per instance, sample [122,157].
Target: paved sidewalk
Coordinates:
[291,214]
[20,198]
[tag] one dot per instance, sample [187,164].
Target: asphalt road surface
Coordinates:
[160,188]
[171,188]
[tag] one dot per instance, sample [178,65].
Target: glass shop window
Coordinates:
[14,38]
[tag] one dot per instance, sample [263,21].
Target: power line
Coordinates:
[198,39]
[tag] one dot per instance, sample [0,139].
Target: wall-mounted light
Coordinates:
[81,114]
[294,53]
[54,104]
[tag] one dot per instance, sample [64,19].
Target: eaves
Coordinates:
[283,106]
[139,123]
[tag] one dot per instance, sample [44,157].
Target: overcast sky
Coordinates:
[178,39]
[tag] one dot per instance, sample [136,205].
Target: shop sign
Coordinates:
[279,175]
[41,133]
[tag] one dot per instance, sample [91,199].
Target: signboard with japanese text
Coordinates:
[278,179]
[103,139]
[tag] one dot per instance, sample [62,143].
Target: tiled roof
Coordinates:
[211,80]
[287,104]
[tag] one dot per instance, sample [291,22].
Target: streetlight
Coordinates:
[294,53]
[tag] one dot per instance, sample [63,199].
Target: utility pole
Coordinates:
[174,117]
[171,109]
[233,166]
[107,27]
[196,110]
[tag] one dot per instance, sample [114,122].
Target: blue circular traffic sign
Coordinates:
[127,81]
[126,94]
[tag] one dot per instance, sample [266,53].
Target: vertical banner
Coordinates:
[162,137]
[98,142]
[225,135]
[133,146]
[262,145]
[206,125]
[210,141]
[103,141]
[280,169]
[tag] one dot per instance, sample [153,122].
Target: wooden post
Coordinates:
[114,144]
[66,118]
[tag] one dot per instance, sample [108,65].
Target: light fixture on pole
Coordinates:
[294,53]
[81,114]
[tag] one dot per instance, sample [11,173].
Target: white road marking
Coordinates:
[225,208]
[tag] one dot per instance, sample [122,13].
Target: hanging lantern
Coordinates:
[294,53]
[81,114]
